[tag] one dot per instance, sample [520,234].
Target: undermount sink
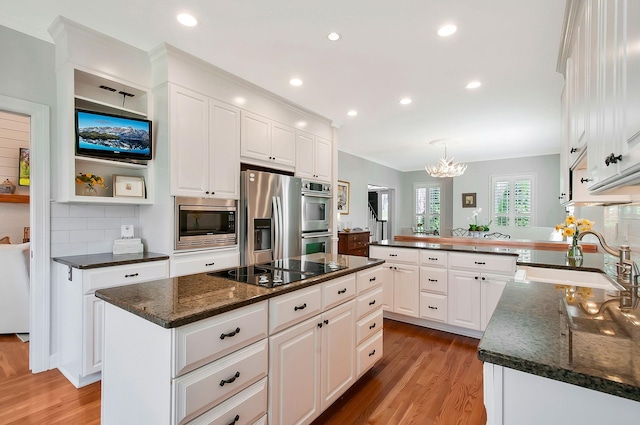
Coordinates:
[565,277]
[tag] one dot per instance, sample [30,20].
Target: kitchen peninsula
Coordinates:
[202,348]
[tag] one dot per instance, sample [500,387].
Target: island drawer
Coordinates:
[207,340]
[183,264]
[106,277]
[429,257]
[480,262]
[433,280]
[292,308]
[248,406]
[368,353]
[202,389]
[395,254]
[368,325]
[369,302]
[370,278]
[433,307]
[337,291]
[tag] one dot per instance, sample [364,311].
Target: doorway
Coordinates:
[380,214]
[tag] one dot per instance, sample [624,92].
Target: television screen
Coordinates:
[111,136]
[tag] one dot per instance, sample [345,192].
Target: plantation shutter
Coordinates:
[501,202]
[421,205]
[512,203]
[427,206]
[434,208]
[522,202]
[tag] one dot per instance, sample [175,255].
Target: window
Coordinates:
[512,203]
[384,206]
[427,206]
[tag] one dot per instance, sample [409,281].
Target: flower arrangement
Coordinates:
[90,179]
[474,226]
[573,226]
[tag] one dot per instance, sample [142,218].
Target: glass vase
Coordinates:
[574,253]
[89,190]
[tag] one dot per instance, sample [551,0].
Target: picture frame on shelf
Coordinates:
[128,186]
[343,196]
[24,167]
[468,200]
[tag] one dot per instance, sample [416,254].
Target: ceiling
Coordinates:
[389,50]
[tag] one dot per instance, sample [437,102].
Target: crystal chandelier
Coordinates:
[445,167]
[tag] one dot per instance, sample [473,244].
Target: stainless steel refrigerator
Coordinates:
[270,217]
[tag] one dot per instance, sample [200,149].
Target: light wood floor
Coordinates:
[425,377]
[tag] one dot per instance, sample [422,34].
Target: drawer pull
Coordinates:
[236,419]
[372,326]
[230,380]
[302,307]
[230,334]
[475,277]
[372,279]
[432,307]
[372,353]
[209,264]
[480,262]
[372,302]
[393,255]
[131,275]
[320,325]
[433,259]
[433,280]
[326,322]
[343,291]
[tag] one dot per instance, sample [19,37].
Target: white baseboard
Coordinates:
[434,325]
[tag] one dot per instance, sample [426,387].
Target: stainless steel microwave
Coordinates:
[205,223]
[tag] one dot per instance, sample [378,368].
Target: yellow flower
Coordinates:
[568,231]
[570,220]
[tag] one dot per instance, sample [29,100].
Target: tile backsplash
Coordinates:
[78,229]
[620,224]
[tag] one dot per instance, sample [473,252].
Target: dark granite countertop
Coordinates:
[107,259]
[178,301]
[553,331]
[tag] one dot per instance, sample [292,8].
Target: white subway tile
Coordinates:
[120,211]
[59,210]
[62,223]
[103,223]
[59,236]
[86,235]
[66,249]
[112,234]
[99,247]
[86,211]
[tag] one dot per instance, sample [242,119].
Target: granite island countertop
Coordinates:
[554,331]
[107,259]
[181,300]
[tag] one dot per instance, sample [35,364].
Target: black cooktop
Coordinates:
[279,272]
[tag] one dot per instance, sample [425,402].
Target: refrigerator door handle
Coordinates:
[277,218]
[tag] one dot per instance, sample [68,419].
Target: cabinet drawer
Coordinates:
[293,308]
[358,241]
[105,277]
[370,278]
[200,390]
[247,406]
[207,340]
[433,280]
[496,263]
[368,353]
[433,307]
[433,258]
[338,290]
[368,325]
[395,254]
[368,302]
[201,262]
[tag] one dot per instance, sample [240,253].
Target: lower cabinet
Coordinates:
[463,300]
[405,280]
[490,292]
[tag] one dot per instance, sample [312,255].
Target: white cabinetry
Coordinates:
[81,314]
[183,264]
[402,283]
[369,319]
[313,157]
[433,285]
[204,145]
[267,141]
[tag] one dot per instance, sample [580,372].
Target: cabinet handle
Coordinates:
[475,277]
[230,380]
[480,262]
[372,353]
[209,264]
[230,334]
[326,322]
[433,280]
[131,275]
[236,419]
[583,180]
[612,159]
[343,291]
[393,255]
[302,307]
[432,307]
[573,150]
[372,326]
[483,278]
[320,325]
[372,279]
[372,302]
[207,192]
[433,259]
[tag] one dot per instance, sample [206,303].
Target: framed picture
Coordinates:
[128,186]
[468,200]
[24,167]
[343,197]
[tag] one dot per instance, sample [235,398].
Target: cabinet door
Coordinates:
[387,287]
[189,142]
[304,155]
[490,292]
[338,352]
[92,334]
[322,159]
[406,290]
[463,300]
[255,136]
[294,374]
[224,152]
[283,144]
[631,86]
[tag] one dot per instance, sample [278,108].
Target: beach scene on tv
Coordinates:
[113,134]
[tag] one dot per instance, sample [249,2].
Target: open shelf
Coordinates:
[111,163]
[16,199]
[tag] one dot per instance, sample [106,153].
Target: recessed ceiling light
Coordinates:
[187,20]
[239,100]
[333,36]
[405,101]
[447,30]
[473,85]
[295,82]
[352,113]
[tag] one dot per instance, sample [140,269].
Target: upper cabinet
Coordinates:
[204,145]
[313,157]
[267,142]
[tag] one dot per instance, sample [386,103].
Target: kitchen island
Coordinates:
[207,349]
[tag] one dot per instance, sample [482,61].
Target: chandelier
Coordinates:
[445,167]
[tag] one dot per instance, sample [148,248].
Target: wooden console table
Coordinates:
[354,243]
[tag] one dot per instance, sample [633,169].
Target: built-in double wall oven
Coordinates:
[205,223]
[316,217]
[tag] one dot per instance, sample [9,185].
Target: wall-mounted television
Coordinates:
[109,136]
